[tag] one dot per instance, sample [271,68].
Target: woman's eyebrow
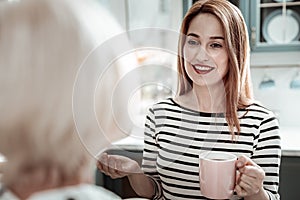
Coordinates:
[193,34]
[211,37]
[217,38]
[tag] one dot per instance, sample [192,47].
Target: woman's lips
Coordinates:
[202,69]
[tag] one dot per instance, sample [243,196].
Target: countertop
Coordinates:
[290,141]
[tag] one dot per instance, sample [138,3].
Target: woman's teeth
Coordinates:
[202,69]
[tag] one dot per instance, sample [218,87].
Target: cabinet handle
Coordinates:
[253,36]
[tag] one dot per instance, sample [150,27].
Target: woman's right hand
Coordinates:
[117,166]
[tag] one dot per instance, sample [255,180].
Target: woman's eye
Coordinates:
[216,45]
[192,42]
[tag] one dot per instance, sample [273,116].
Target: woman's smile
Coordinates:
[202,69]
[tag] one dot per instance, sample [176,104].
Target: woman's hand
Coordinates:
[117,166]
[250,179]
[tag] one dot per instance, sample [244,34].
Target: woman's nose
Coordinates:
[202,54]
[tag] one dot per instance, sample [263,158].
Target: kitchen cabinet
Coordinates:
[289,177]
[274,25]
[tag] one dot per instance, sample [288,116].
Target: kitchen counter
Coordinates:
[135,141]
[290,141]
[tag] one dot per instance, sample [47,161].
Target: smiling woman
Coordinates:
[213,111]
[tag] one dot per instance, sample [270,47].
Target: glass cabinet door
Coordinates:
[275,25]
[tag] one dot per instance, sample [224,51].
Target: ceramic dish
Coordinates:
[277,28]
[283,0]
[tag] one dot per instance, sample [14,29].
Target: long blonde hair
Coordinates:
[237,82]
[43,43]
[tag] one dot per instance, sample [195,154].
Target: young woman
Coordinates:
[214,110]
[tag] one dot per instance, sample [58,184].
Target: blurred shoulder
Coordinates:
[80,192]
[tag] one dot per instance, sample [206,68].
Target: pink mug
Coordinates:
[217,173]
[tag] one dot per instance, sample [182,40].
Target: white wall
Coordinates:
[133,14]
[281,67]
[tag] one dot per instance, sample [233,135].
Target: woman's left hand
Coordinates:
[250,177]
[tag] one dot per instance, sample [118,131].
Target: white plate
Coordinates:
[283,0]
[278,28]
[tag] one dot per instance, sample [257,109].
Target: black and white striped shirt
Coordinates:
[174,137]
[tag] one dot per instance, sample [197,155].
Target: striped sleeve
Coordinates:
[267,154]
[150,154]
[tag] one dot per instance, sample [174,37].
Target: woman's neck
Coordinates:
[205,99]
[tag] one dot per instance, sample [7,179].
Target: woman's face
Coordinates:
[205,54]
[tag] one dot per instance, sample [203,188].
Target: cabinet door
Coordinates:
[275,25]
[289,178]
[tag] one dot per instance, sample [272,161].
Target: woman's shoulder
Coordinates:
[258,109]
[163,103]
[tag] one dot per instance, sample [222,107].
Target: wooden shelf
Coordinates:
[273,5]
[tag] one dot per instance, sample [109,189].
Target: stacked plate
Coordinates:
[283,0]
[279,27]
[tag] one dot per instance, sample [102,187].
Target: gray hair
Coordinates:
[43,43]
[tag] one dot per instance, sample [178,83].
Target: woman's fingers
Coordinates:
[103,162]
[250,178]
[237,177]
[253,171]
[250,184]
[112,167]
[244,161]
[117,166]
[99,165]
[240,191]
